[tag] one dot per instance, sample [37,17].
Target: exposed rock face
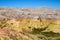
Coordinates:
[8,34]
[43,12]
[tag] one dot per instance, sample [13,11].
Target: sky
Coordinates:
[30,3]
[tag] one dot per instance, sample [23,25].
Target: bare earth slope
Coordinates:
[42,23]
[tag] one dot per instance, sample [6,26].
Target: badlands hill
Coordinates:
[42,23]
[43,12]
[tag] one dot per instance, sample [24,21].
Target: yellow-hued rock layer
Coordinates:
[27,24]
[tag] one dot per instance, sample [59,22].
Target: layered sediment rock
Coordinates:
[30,21]
[43,12]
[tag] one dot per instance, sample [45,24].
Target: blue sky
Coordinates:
[30,3]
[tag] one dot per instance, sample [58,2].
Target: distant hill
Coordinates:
[43,12]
